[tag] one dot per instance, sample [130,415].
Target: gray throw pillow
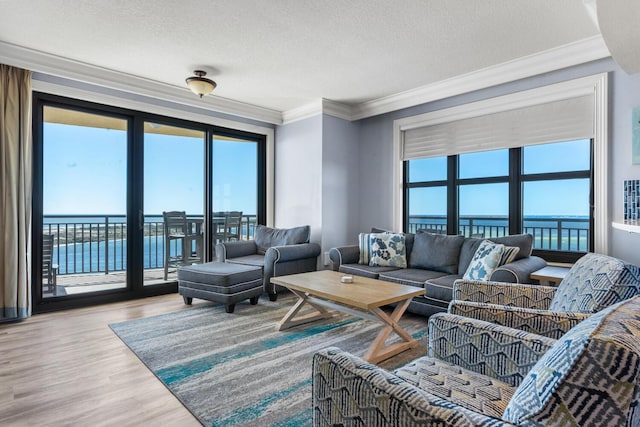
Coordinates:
[266,237]
[437,252]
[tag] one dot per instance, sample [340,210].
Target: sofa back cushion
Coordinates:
[266,237]
[590,373]
[523,241]
[594,282]
[437,252]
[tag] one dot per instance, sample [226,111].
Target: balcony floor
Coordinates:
[73,284]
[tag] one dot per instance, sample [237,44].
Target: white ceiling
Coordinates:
[284,54]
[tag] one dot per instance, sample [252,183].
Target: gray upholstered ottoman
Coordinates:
[220,282]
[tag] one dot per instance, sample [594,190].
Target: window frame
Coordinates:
[594,85]
[135,150]
[515,181]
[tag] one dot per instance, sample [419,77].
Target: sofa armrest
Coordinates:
[344,255]
[521,295]
[547,323]
[235,249]
[518,271]
[291,252]
[506,354]
[349,391]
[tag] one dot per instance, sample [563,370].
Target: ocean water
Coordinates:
[558,233]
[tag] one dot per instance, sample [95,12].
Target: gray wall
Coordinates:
[340,182]
[316,179]
[298,175]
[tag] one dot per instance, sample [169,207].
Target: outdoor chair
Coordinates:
[480,374]
[233,226]
[179,237]
[594,282]
[227,226]
[49,269]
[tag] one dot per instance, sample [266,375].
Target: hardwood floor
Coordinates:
[68,368]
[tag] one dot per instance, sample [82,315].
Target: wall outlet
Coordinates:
[327,260]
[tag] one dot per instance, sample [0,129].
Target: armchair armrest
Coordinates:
[521,295]
[289,259]
[291,252]
[547,323]
[506,354]
[518,271]
[344,255]
[349,391]
[235,249]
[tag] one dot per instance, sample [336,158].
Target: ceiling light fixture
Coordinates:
[199,84]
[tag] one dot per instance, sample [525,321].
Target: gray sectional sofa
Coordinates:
[435,261]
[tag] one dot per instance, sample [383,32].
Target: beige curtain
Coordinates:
[15,193]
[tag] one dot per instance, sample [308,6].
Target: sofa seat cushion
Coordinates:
[410,276]
[364,270]
[254,260]
[477,392]
[441,288]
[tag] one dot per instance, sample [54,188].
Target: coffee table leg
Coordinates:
[288,320]
[377,351]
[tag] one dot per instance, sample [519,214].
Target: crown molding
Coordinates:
[320,106]
[337,109]
[580,52]
[303,112]
[42,62]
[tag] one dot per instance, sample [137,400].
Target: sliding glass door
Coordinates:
[122,199]
[174,180]
[235,186]
[84,202]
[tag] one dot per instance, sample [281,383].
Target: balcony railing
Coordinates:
[97,243]
[549,233]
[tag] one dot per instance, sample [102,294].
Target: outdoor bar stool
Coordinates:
[221,282]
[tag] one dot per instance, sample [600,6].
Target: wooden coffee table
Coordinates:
[362,298]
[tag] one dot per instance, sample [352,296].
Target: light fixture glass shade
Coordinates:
[199,84]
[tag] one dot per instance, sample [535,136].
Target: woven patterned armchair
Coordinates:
[481,374]
[593,283]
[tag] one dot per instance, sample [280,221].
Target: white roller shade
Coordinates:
[556,121]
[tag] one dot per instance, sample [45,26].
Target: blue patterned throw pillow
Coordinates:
[486,259]
[387,250]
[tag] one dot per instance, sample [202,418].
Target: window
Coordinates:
[521,123]
[544,190]
[427,195]
[556,196]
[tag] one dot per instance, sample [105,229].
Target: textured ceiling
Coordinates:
[282,54]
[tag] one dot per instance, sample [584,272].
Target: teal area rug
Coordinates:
[237,370]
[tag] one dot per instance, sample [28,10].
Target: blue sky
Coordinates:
[85,172]
[568,198]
